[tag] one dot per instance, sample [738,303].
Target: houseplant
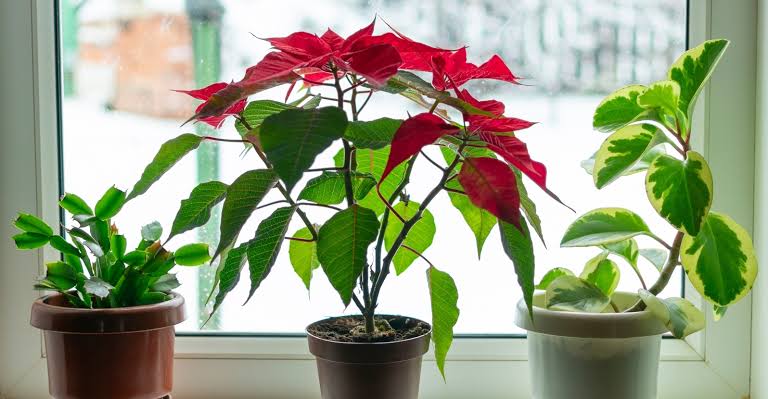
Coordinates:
[109,330]
[377,356]
[610,346]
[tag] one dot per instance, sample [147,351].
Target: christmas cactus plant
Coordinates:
[367,187]
[715,252]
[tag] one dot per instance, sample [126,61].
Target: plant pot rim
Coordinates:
[49,313]
[589,325]
[368,352]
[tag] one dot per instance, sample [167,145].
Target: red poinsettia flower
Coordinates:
[205,94]
[451,70]
[496,123]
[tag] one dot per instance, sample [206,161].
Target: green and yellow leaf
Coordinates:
[604,226]
[551,276]
[664,94]
[623,150]
[693,69]
[603,273]
[657,257]
[572,294]
[679,315]
[619,109]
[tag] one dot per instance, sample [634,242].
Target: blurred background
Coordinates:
[121,59]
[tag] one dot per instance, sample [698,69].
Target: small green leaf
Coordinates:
[75,205]
[32,224]
[419,237]
[265,246]
[444,298]
[680,191]
[329,188]
[303,255]
[61,245]
[256,111]
[61,274]
[604,226]
[603,273]
[664,94]
[152,232]
[313,102]
[166,283]
[573,294]
[171,152]
[627,249]
[243,196]
[373,134]
[136,258]
[110,203]
[293,138]
[551,276]
[693,69]
[619,109]
[718,312]
[623,150]
[680,316]
[30,240]
[192,255]
[100,232]
[518,246]
[720,261]
[528,206]
[657,257]
[118,244]
[196,210]
[230,273]
[97,286]
[342,247]
[373,162]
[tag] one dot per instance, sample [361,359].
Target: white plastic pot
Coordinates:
[592,355]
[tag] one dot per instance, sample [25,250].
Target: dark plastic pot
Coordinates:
[122,353]
[378,370]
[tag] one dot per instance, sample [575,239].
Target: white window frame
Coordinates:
[714,364]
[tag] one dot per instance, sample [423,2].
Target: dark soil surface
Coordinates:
[352,329]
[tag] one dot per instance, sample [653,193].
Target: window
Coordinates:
[121,59]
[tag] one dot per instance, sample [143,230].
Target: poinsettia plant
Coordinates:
[716,253]
[482,172]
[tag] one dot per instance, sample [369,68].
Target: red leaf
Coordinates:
[480,123]
[491,185]
[416,56]
[493,106]
[376,63]
[205,94]
[333,39]
[515,151]
[360,34]
[452,70]
[415,133]
[301,45]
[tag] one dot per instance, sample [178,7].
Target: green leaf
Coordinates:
[679,315]
[243,196]
[313,102]
[61,274]
[619,109]
[110,203]
[263,248]
[518,246]
[75,205]
[230,273]
[171,152]
[373,134]
[151,232]
[61,245]
[604,226]
[100,232]
[118,244]
[406,80]
[419,237]
[528,206]
[693,69]
[720,261]
[329,188]
[589,164]
[680,191]
[192,254]
[551,276]
[342,247]
[480,221]
[136,258]
[32,224]
[657,257]
[30,240]
[627,249]
[303,255]
[196,210]
[573,294]
[603,273]
[718,312]
[166,283]
[445,313]
[373,162]
[256,111]
[97,286]
[664,94]
[293,138]
[623,150]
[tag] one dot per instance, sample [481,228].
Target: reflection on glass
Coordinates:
[121,59]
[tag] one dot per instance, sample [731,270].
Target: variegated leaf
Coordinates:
[551,276]
[619,109]
[664,94]
[603,273]
[623,150]
[680,316]
[693,69]
[570,293]
[604,226]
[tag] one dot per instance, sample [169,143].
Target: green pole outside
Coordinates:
[69,28]
[205,25]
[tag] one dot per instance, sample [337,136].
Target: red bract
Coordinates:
[415,133]
[451,70]
[515,151]
[491,185]
[205,94]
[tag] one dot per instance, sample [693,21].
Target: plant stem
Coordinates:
[318,205]
[437,165]
[666,272]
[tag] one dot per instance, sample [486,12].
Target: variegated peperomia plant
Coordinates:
[482,172]
[716,253]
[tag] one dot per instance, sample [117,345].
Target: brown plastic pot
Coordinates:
[121,353]
[376,370]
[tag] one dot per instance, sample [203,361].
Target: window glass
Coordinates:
[121,59]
